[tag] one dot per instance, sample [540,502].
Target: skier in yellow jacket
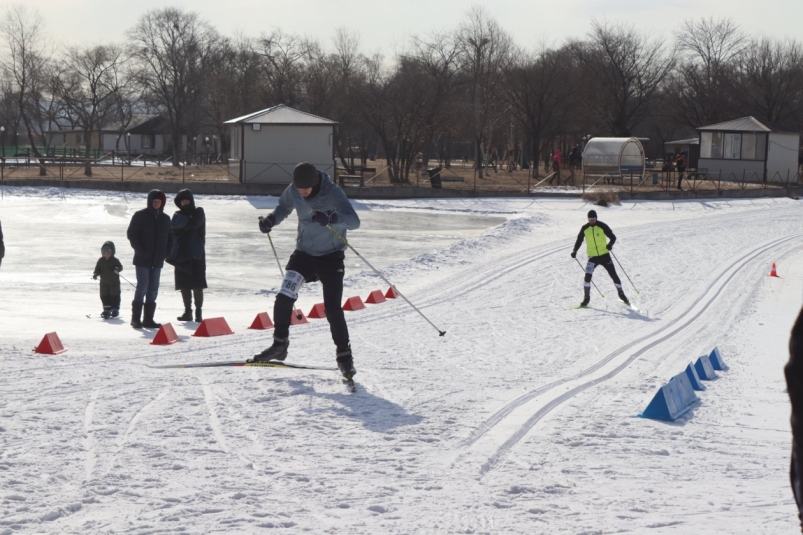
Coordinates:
[596,234]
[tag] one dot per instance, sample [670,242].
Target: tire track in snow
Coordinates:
[521,414]
[90,458]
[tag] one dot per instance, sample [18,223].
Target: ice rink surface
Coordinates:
[522,419]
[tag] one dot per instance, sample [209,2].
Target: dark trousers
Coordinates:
[328,269]
[606,262]
[110,297]
[186,296]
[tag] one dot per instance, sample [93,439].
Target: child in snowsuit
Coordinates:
[598,248]
[108,269]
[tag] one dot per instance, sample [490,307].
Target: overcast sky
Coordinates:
[383,24]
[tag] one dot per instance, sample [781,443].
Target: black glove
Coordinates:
[610,246]
[323,219]
[94,277]
[266,223]
[574,254]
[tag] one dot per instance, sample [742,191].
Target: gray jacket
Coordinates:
[314,239]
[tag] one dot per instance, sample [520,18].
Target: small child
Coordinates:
[108,268]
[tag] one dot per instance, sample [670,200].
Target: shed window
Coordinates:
[748,146]
[147,142]
[256,127]
[733,146]
[761,146]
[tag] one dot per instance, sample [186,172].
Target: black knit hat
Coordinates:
[592,214]
[305,176]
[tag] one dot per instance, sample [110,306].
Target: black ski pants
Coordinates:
[605,261]
[329,270]
[110,295]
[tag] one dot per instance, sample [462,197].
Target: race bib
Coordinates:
[293,280]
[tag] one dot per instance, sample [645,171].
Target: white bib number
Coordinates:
[293,280]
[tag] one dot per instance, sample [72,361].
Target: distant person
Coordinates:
[556,162]
[794,386]
[151,238]
[319,256]
[188,255]
[108,268]
[680,163]
[2,245]
[598,249]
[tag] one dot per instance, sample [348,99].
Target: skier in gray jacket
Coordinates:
[318,256]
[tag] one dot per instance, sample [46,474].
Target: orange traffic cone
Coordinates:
[773,273]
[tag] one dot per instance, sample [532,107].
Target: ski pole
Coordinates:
[339,237]
[592,282]
[276,256]
[625,272]
[128,281]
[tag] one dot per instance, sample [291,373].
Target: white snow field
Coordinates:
[523,418]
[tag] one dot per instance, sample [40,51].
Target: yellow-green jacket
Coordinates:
[594,235]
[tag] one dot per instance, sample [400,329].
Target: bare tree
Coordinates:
[485,53]
[173,49]
[88,85]
[282,65]
[542,89]
[702,86]
[24,63]
[771,80]
[623,72]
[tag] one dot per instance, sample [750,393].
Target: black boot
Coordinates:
[199,317]
[345,363]
[623,297]
[187,316]
[585,301]
[147,322]
[136,314]
[278,351]
[107,313]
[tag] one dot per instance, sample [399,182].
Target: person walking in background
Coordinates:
[188,256]
[556,156]
[108,268]
[680,162]
[598,249]
[794,386]
[150,236]
[319,256]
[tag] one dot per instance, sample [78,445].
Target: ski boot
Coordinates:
[115,312]
[107,313]
[623,297]
[187,316]
[345,363]
[585,301]
[278,351]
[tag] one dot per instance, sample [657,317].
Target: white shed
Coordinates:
[268,144]
[613,158]
[749,149]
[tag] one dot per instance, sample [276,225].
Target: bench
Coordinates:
[354,181]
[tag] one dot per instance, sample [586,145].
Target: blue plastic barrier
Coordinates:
[704,368]
[716,360]
[694,379]
[673,400]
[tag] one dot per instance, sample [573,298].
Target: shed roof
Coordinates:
[746,124]
[281,114]
[691,141]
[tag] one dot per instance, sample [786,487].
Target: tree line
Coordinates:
[469,93]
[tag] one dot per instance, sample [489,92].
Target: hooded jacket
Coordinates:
[105,269]
[189,230]
[315,239]
[150,235]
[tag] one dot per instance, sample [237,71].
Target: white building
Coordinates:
[268,144]
[749,149]
[144,136]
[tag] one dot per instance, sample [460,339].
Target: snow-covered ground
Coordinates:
[522,419]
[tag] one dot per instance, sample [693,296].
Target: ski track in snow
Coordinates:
[495,428]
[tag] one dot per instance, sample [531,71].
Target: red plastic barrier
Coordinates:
[262,322]
[318,311]
[376,297]
[353,303]
[166,335]
[294,318]
[213,327]
[391,293]
[50,345]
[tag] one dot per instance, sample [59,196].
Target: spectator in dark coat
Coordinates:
[150,235]
[680,161]
[2,246]
[794,386]
[108,268]
[188,255]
